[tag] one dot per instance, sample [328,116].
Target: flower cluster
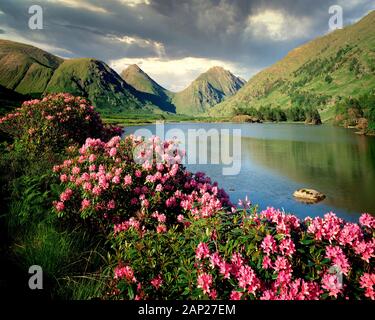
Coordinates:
[238,278]
[55,122]
[286,258]
[107,182]
[349,235]
[243,254]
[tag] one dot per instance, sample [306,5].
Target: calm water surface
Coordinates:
[277,159]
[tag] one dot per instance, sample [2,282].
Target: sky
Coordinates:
[176,40]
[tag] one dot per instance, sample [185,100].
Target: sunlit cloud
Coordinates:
[177,74]
[277,25]
[158,47]
[134,3]
[81,4]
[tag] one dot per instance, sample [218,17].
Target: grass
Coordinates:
[138,119]
[32,234]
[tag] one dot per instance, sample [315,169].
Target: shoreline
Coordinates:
[129,122]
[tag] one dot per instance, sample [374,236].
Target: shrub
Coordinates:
[55,122]
[247,255]
[108,183]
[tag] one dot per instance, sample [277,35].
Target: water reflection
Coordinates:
[343,171]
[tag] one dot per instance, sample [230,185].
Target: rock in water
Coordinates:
[309,195]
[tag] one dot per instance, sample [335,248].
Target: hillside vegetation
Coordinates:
[317,74]
[93,79]
[148,90]
[207,90]
[26,69]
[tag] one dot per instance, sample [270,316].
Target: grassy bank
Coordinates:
[138,119]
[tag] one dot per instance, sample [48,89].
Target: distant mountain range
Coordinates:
[319,73]
[31,72]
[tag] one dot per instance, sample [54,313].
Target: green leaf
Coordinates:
[307,241]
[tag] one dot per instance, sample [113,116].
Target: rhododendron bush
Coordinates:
[106,183]
[55,122]
[247,255]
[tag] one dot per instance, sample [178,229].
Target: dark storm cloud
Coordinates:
[214,29]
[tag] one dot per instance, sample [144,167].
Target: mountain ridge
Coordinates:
[95,80]
[147,89]
[346,55]
[24,68]
[33,72]
[208,89]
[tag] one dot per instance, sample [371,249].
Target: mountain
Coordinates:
[147,90]
[93,79]
[26,69]
[208,89]
[317,74]
[32,72]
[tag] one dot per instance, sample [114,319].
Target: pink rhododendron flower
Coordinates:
[161,228]
[76,170]
[287,247]
[85,204]
[331,283]
[116,179]
[202,251]
[367,220]
[247,279]
[365,249]
[235,295]
[112,152]
[65,196]
[338,258]
[111,204]
[225,269]
[145,203]
[60,206]
[367,282]
[269,245]
[128,180]
[138,173]
[267,262]
[125,273]
[159,188]
[157,282]
[92,157]
[204,281]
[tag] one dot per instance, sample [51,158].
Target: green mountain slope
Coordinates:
[318,74]
[25,69]
[33,72]
[147,90]
[208,89]
[95,80]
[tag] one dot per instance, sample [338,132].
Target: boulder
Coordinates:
[308,195]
